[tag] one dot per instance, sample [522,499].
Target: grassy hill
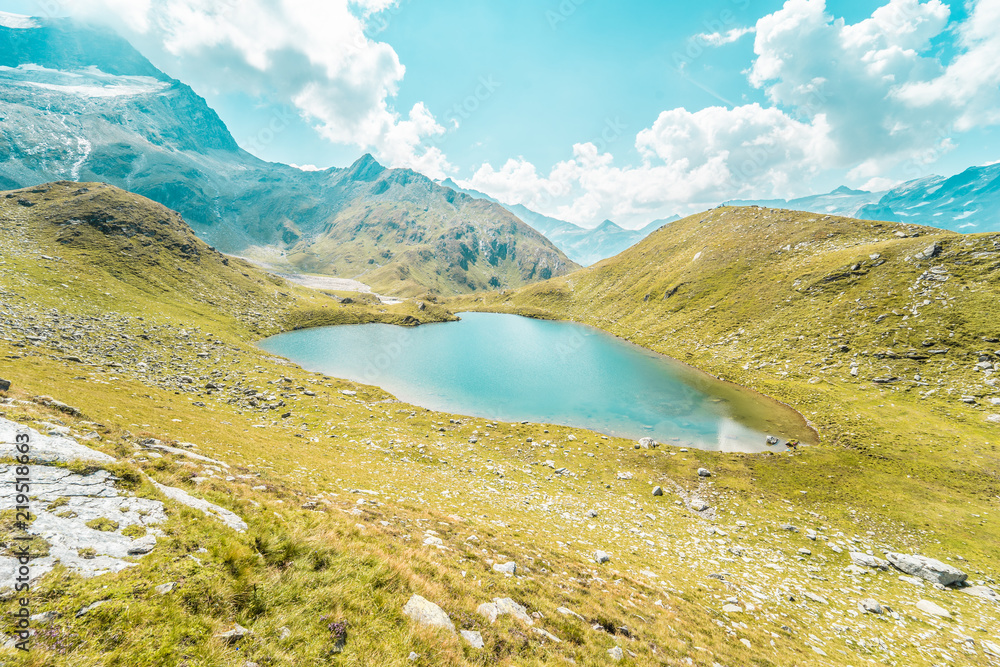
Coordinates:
[355,501]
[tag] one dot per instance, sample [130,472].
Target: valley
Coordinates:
[355,502]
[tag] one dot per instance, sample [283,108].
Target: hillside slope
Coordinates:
[79,103]
[352,502]
[886,336]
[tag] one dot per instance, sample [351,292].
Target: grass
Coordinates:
[341,496]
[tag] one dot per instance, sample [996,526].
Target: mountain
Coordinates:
[584,246]
[77,102]
[966,202]
[212,504]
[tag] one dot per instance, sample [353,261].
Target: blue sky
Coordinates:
[592,109]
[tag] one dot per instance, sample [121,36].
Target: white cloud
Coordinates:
[312,53]
[722,38]
[872,98]
[690,160]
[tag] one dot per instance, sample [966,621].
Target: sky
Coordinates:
[586,110]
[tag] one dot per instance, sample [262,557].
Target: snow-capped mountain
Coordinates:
[79,103]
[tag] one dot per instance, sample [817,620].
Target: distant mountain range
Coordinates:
[584,246]
[80,103]
[967,202]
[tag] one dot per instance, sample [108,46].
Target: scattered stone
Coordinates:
[163,589]
[592,514]
[510,569]
[870,606]
[284,633]
[4,385]
[982,592]
[864,560]
[501,607]
[426,613]
[704,472]
[732,609]
[414,656]
[819,599]
[546,635]
[569,612]
[648,443]
[601,557]
[45,617]
[232,636]
[929,607]
[616,654]
[657,490]
[927,569]
[790,528]
[699,505]
[89,608]
[225,516]
[475,639]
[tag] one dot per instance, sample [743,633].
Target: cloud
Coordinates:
[312,53]
[689,160]
[722,38]
[873,99]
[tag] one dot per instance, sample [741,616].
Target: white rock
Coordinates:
[864,560]
[510,569]
[601,557]
[927,569]
[474,638]
[426,613]
[929,607]
[616,654]
[45,448]
[546,635]
[569,612]
[184,498]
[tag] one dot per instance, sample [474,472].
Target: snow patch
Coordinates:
[18,21]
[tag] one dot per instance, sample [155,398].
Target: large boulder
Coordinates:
[427,613]
[927,569]
[864,560]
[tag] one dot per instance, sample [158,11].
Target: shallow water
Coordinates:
[511,368]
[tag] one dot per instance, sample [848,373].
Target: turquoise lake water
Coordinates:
[511,368]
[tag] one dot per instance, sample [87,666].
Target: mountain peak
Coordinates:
[844,190]
[365,168]
[609,226]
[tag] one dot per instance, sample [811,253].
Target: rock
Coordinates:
[488,610]
[732,609]
[864,560]
[927,569]
[982,592]
[569,612]
[601,557]
[426,613]
[142,545]
[225,516]
[89,608]
[699,505]
[45,617]
[510,569]
[474,638]
[4,385]
[46,448]
[506,606]
[616,654]
[284,633]
[432,541]
[648,443]
[771,440]
[704,472]
[819,599]
[870,606]
[790,528]
[414,656]
[547,635]
[930,251]
[163,589]
[993,419]
[348,392]
[232,636]
[929,607]
[990,647]
[624,475]
[657,490]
